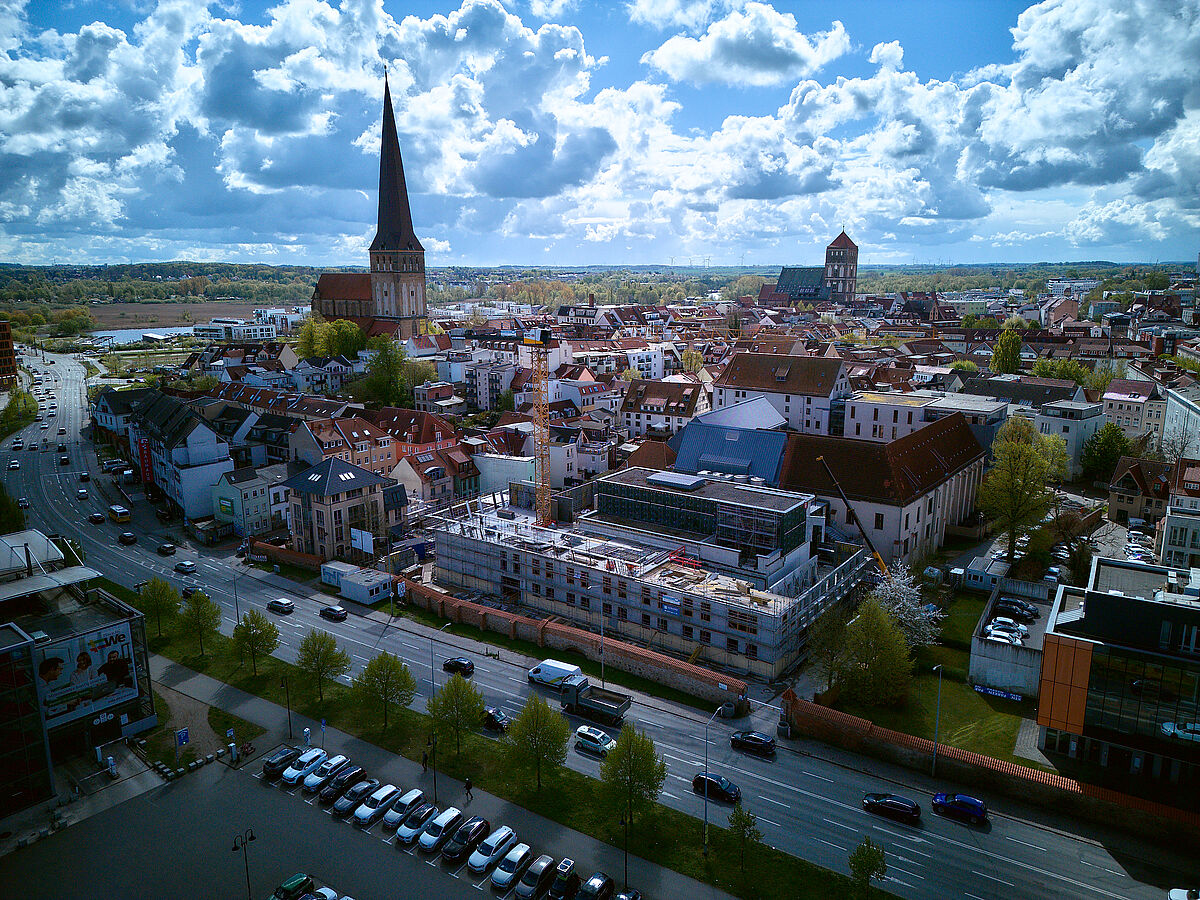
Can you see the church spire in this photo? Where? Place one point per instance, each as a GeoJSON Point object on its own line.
{"type": "Point", "coordinates": [395, 228]}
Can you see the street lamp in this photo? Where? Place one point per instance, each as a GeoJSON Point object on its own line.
{"type": "Point", "coordinates": [241, 842]}
{"type": "Point", "coordinates": [625, 825]}
{"type": "Point", "coordinates": [288, 696]}
{"type": "Point", "coordinates": [706, 724]}
{"type": "Point", "coordinates": [937, 720]}
{"type": "Point", "coordinates": [432, 684]}
{"type": "Point", "coordinates": [237, 612]}
{"type": "Point", "coordinates": [432, 744]}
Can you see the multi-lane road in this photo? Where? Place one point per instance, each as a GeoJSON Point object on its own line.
{"type": "Point", "coordinates": [808, 799]}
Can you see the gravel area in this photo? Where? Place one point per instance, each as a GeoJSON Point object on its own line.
{"type": "Point", "coordinates": [189, 712]}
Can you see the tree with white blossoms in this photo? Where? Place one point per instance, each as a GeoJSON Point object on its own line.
{"type": "Point", "coordinates": [900, 595]}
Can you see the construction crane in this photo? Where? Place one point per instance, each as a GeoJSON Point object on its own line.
{"type": "Point", "coordinates": [538, 342]}
{"type": "Point", "coordinates": [850, 509]}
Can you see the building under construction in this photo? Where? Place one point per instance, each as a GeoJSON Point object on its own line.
{"type": "Point", "coordinates": [719, 572]}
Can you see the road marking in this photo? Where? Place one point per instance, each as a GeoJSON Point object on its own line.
{"type": "Point", "coordinates": [770, 800]}
{"type": "Point", "coordinates": [840, 825]}
{"type": "Point", "coordinates": [669, 794]}
{"type": "Point", "coordinates": [768, 821]}
{"type": "Point", "coordinates": [1023, 843]}
{"type": "Point", "coordinates": [899, 881]}
{"type": "Point", "coordinates": [832, 844]}
{"type": "Point", "coordinates": [1102, 868]}
{"type": "Point", "coordinates": [822, 777]}
{"type": "Point", "coordinates": [992, 877]}
{"type": "Point", "coordinates": [909, 874]}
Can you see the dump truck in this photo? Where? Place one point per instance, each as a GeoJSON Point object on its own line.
{"type": "Point", "coordinates": [581, 697]}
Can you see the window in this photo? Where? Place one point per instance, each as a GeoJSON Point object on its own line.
{"type": "Point", "coordinates": [662, 624]}
{"type": "Point", "coordinates": [585, 603]}
{"type": "Point", "coordinates": [731, 644]}
{"type": "Point", "coordinates": [705, 636]}
{"type": "Point", "coordinates": [570, 598]}
{"type": "Point", "coordinates": [687, 632]}
{"type": "Point", "coordinates": [751, 651]}
{"type": "Point", "coordinates": [622, 614]}
{"type": "Point", "coordinates": [705, 611]}
{"type": "Point", "coordinates": [646, 619]}
{"type": "Point", "coordinates": [607, 608]}
{"type": "Point", "coordinates": [742, 620]}
{"type": "Point", "coordinates": [879, 521]}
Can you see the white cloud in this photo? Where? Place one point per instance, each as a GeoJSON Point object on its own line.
{"type": "Point", "coordinates": [691, 14]}
{"type": "Point", "coordinates": [551, 9]}
{"type": "Point", "coordinates": [754, 46]}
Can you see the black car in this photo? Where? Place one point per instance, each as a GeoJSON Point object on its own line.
{"type": "Point", "coordinates": [1017, 613]}
{"type": "Point", "coordinates": [566, 881]}
{"type": "Point", "coordinates": [188, 591]}
{"type": "Point", "coordinates": [353, 798]}
{"type": "Point", "coordinates": [85, 476]}
{"type": "Point", "coordinates": [718, 787]}
{"type": "Point", "coordinates": [333, 613]}
{"type": "Point", "coordinates": [127, 538]}
{"type": "Point", "coordinates": [339, 783]}
{"type": "Point", "coordinates": [459, 664]}
{"type": "Point", "coordinates": [64, 460]}
{"type": "Point", "coordinates": [496, 719]}
{"type": "Point", "coordinates": [62, 448]}
{"type": "Point", "coordinates": [23, 503]}
{"type": "Point", "coordinates": [274, 764]}
{"type": "Point", "coordinates": [599, 887]}
{"type": "Point", "coordinates": [466, 839]}
{"type": "Point", "coordinates": [893, 806]}
{"type": "Point", "coordinates": [167, 549]}
{"type": "Point", "coordinates": [753, 742]}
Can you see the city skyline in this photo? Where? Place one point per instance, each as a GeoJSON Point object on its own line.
{"type": "Point", "coordinates": [561, 133]}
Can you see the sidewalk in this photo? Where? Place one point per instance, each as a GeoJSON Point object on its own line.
{"type": "Point", "coordinates": [560, 841]}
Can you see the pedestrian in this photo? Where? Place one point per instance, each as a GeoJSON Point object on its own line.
{"type": "Point", "coordinates": [425, 761]}
{"type": "Point", "coordinates": [467, 789]}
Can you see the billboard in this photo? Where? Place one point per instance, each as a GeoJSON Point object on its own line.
{"type": "Point", "coordinates": [362, 540]}
{"type": "Point", "coordinates": [225, 506]}
{"type": "Point", "coordinates": [86, 673]}
{"type": "Point", "coordinates": [145, 463]}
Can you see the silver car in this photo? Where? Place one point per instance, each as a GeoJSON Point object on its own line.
{"type": "Point", "coordinates": [398, 811]}
{"type": "Point", "coordinates": [492, 849]}
{"type": "Point", "coordinates": [303, 766]}
{"type": "Point", "coordinates": [438, 831]}
{"type": "Point", "coordinates": [372, 809]}
{"type": "Point", "coordinates": [318, 777]}
{"type": "Point", "coordinates": [512, 867]}
{"type": "Point", "coordinates": [1182, 731]}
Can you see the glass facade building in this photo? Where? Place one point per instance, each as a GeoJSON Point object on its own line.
{"type": "Point", "coordinates": [25, 777]}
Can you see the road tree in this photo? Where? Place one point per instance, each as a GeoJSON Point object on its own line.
{"type": "Point", "coordinates": [900, 595]}
{"type": "Point", "coordinates": [159, 598]}
{"type": "Point", "coordinates": [878, 666]}
{"type": "Point", "coordinates": [743, 825]}
{"type": "Point", "coordinates": [1006, 357]}
{"type": "Point", "coordinates": [827, 644]}
{"type": "Point", "coordinates": [456, 709]}
{"type": "Point", "coordinates": [1176, 444]}
{"type": "Point", "coordinates": [537, 738]}
{"type": "Point", "coordinates": [1016, 493]}
{"type": "Point", "coordinates": [200, 616]}
{"type": "Point", "coordinates": [867, 863]}
{"type": "Point", "coordinates": [322, 659]}
{"type": "Point", "coordinates": [633, 774]}
{"type": "Point", "coordinates": [256, 636]}
{"type": "Point", "coordinates": [386, 680]}
{"type": "Point", "coordinates": [1101, 452]}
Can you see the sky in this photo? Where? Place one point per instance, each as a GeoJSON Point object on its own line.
{"type": "Point", "coordinates": [628, 132]}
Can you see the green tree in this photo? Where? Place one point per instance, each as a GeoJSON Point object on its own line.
{"type": "Point", "coordinates": [386, 680]}
{"type": "Point", "coordinates": [306, 339]}
{"type": "Point", "coordinates": [391, 375]}
{"type": "Point", "coordinates": [200, 616]}
{"type": "Point", "coordinates": [1006, 358]}
{"type": "Point", "coordinates": [633, 774]}
{"type": "Point", "coordinates": [346, 338]}
{"type": "Point", "coordinates": [827, 644]}
{"type": "Point", "coordinates": [1016, 492]}
{"type": "Point", "coordinates": [743, 286]}
{"type": "Point", "coordinates": [629, 375]}
{"type": "Point", "coordinates": [1015, 321]}
{"type": "Point", "coordinates": [1101, 452]}
{"type": "Point", "coordinates": [12, 517]}
{"type": "Point", "coordinates": [743, 825]}
{"type": "Point", "coordinates": [537, 738]}
{"type": "Point", "coordinates": [878, 667]}
{"type": "Point", "coordinates": [506, 402]}
{"type": "Point", "coordinates": [456, 709]}
{"type": "Point", "coordinates": [255, 635]}
{"type": "Point", "coordinates": [321, 659]}
{"type": "Point", "coordinates": [965, 365]}
{"type": "Point", "coordinates": [159, 598]}
{"type": "Point", "coordinates": [867, 863]}
{"type": "Point", "coordinates": [1067, 369]}
{"type": "Point", "coordinates": [693, 360]}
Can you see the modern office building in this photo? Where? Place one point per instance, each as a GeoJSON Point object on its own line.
{"type": "Point", "coordinates": [8, 356]}
{"type": "Point", "coordinates": [1120, 682]}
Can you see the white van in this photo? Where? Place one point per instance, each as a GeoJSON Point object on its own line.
{"type": "Point", "coordinates": [553, 673]}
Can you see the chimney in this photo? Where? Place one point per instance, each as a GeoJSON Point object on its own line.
{"type": "Point", "coordinates": [591, 300]}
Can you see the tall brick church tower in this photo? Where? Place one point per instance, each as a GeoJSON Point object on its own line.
{"type": "Point", "coordinates": [841, 268]}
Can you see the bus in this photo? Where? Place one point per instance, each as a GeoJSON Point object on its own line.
{"type": "Point", "coordinates": [118, 513]}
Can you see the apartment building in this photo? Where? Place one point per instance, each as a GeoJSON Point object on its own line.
{"type": "Point", "coordinates": [1073, 421]}
{"type": "Point", "coordinates": [1179, 533]}
{"type": "Point", "coordinates": [1139, 407]}
{"type": "Point", "coordinates": [351, 439]}
{"type": "Point", "coordinates": [336, 510]}
{"type": "Point", "coordinates": [658, 409]}
{"type": "Point", "coordinates": [805, 390]}
{"type": "Point", "coordinates": [242, 502]}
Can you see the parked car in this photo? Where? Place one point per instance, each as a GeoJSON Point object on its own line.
{"type": "Point", "coordinates": [185, 567]}
{"type": "Point", "coordinates": [459, 664]}
{"type": "Point", "coordinates": [491, 849]}
{"type": "Point", "coordinates": [96, 518]}
{"type": "Point", "coordinates": [346, 778]}
{"type": "Point", "coordinates": [167, 549]}
{"type": "Point", "coordinates": [414, 823]}
{"type": "Point", "coordinates": [281, 605]}
{"type": "Point", "coordinates": [496, 719]}
{"type": "Point", "coordinates": [893, 806]}
{"type": "Point", "coordinates": [599, 887]}
{"type": "Point", "coordinates": [1011, 625]}
{"type": "Point", "coordinates": [373, 807]}
{"type": "Point", "coordinates": [127, 538]}
{"type": "Point", "coordinates": [593, 740]}
{"type": "Point", "coordinates": [510, 869]}
{"type": "Point", "coordinates": [294, 888]}
{"type": "Point", "coordinates": [353, 797]}
{"type": "Point", "coordinates": [304, 766]}
{"type": "Point", "coordinates": [536, 878]}
{"type": "Point", "coordinates": [996, 631]}
{"type": "Point", "coordinates": [23, 503]}
{"type": "Point", "coordinates": [960, 806]}
{"type": "Point", "coordinates": [1008, 610]}
{"type": "Point", "coordinates": [1182, 731]}
{"type": "Point", "coordinates": [320, 776]}
{"type": "Point", "coordinates": [1029, 608]}
{"type": "Point", "coordinates": [718, 787]}
{"type": "Point", "coordinates": [753, 742]}
{"type": "Point", "coordinates": [566, 881]}
{"type": "Point", "coordinates": [465, 839]}
{"type": "Point", "coordinates": [440, 830]}
{"type": "Point", "coordinates": [403, 805]}
{"type": "Point", "coordinates": [275, 764]}
{"type": "Point", "coordinates": [333, 613]}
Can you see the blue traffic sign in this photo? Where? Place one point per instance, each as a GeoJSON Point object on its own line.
{"type": "Point", "coordinates": [181, 737]}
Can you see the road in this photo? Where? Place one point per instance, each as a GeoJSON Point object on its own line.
{"type": "Point", "coordinates": [808, 803]}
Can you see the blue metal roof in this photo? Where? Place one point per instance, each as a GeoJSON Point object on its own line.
{"type": "Point", "coordinates": [738, 451]}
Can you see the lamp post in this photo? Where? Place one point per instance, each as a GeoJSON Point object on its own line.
{"type": "Point", "coordinates": [432, 684]}
{"type": "Point", "coordinates": [288, 696]}
{"type": "Point", "coordinates": [432, 744]}
{"type": "Point", "coordinates": [706, 724]}
{"type": "Point", "coordinates": [241, 842]}
{"type": "Point", "coordinates": [937, 720]}
{"type": "Point", "coordinates": [625, 825]}
{"type": "Point", "coordinates": [237, 611]}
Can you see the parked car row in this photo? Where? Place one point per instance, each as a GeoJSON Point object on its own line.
{"type": "Point", "coordinates": [902, 809]}
{"type": "Point", "coordinates": [446, 833]}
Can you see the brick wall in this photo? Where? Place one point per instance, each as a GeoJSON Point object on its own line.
{"type": "Point", "coordinates": [674, 673]}
{"type": "Point", "coordinates": [286, 555]}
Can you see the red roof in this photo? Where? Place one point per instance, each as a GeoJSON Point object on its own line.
{"type": "Point", "coordinates": [843, 241]}
{"type": "Point", "coordinates": [344, 286]}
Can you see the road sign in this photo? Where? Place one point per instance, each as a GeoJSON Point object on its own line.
{"type": "Point", "coordinates": [322, 724]}
{"type": "Point", "coordinates": [229, 734]}
{"type": "Point", "coordinates": [181, 737]}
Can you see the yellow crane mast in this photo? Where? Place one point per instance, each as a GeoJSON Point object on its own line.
{"type": "Point", "coordinates": [538, 343]}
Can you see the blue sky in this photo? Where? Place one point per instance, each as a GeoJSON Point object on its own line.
{"type": "Point", "coordinates": [563, 132]}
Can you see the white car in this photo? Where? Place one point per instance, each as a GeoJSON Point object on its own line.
{"type": "Point", "coordinates": [399, 810]}
{"type": "Point", "coordinates": [1011, 625]}
{"type": "Point", "coordinates": [414, 823]}
{"type": "Point", "coordinates": [372, 809]}
{"type": "Point", "coordinates": [512, 867]}
{"type": "Point", "coordinates": [1001, 631]}
{"type": "Point", "coordinates": [304, 765]}
{"type": "Point", "coordinates": [439, 829]}
{"type": "Point", "coordinates": [998, 637]}
{"type": "Point", "coordinates": [317, 778]}
{"type": "Point", "coordinates": [492, 849]}
{"type": "Point", "coordinates": [593, 740]}
{"type": "Point", "coordinates": [1182, 731]}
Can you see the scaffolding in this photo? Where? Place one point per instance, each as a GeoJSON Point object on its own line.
{"type": "Point", "coordinates": [541, 424]}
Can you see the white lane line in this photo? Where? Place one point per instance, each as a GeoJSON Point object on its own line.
{"type": "Point", "coordinates": [1102, 868]}
{"type": "Point", "coordinates": [909, 874]}
{"type": "Point", "coordinates": [768, 821]}
{"type": "Point", "coordinates": [814, 775]}
{"type": "Point", "coordinates": [840, 825]}
{"type": "Point", "coordinates": [1024, 844]}
{"type": "Point", "coordinates": [900, 881]}
{"type": "Point", "coordinates": [991, 877]}
{"type": "Point", "coordinates": [832, 844]}
{"type": "Point", "coordinates": [669, 794]}
{"type": "Point", "coordinates": [771, 800]}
